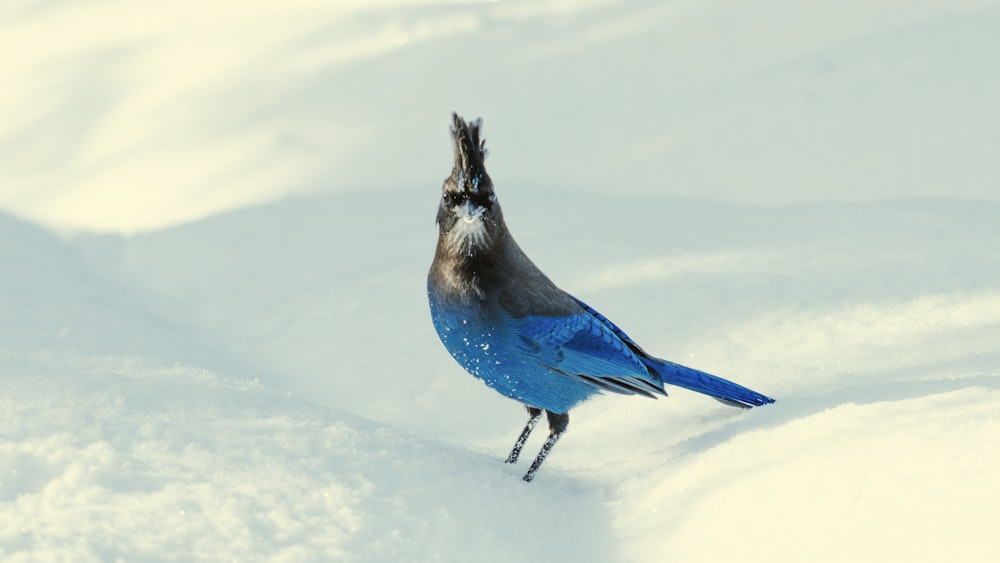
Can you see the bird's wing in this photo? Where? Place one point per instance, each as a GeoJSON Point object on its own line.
{"type": "Point", "coordinates": [723, 390]}
{"type": "Point", "coordinates": [612, 327]}
{"type": "Point", "coordinates": [583, 346]}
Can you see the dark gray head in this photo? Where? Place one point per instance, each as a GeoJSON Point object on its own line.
{"type": "Point", "coordinates": [469, 216]}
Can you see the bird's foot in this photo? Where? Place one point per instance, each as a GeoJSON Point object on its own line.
{"type": "Point", "coordinates": [558, 422]}
{"type": "Point", "coordinates": [535, 415]}
{"type": "Point", "coordinates": [546, 448]}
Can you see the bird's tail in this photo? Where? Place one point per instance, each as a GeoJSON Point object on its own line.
{"type": "Point", "coordinates": [726, 391]}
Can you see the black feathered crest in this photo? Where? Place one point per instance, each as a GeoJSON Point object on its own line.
{"type": "Point", "coordinates": [470, 153]}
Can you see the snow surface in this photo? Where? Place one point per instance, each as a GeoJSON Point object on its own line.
{"type": "Point", "coordinates": [330, 424]}
{"type": "Point", "coordinates": [265, 384]}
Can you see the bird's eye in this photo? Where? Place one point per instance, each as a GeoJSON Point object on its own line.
{"type": "Point", "coordinates": [493, 198]}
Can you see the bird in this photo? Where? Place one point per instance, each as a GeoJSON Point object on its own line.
{"type": "Point", "coordinates": [509, 325]}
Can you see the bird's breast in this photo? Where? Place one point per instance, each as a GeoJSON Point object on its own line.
{"type": "Point", "coordinates": [471, 332]}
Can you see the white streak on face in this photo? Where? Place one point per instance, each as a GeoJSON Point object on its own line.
{"type": "Point", "coordinates": [469, 231]}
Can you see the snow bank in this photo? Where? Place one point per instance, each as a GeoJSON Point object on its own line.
{"type": "Point", "coordinates": [107, 456]}
{"type": "Point", "coordinates": [265, 384]}
{"type": "Point", "coordinates": [880, 349]}
{"type": "Point", "coordinates": [113, 458]}
{"type": "Point", "coordinates": [333, 426]}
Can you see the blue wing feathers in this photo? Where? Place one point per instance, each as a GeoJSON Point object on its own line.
{"type": "Point", "coordinates": [682, 376]}
{"type": "Point", "coordinates": [580, 345]}
{"type": "Point", "coordinates": [610, 325]}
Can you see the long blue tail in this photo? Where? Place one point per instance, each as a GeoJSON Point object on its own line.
{"type": "Point", "coordinates": [724, 390]}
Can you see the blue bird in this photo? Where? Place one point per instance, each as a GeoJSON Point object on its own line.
{"type": "Point", "coordinates": [507, 324]}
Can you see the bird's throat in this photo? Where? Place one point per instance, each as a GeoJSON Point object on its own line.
{"type": "Point", "coordinates": [468, 236]}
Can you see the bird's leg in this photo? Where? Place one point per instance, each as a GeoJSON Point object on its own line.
{"type": "Point", "coordinates": [535, 414]}
{"type": "Point", "coordinates": [557, 425]}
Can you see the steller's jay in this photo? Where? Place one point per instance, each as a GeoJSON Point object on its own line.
{"type": "Point", "coordinates": [506, 323]}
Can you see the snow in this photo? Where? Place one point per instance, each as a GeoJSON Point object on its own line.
{"type": "Point", "coordinates": [798, 197]}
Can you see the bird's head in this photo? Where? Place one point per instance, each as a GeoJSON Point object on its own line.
{"type": "Point", "coordinates": [469, 216]}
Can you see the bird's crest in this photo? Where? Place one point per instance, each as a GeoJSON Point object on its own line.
{"type": "Point", "coordinates": [470, 152]}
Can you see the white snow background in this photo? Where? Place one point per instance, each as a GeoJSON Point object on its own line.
{"type": "Point", "coordinates": [217, 219]}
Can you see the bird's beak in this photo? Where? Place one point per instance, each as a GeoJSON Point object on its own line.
{"type": "Point", "coordinates": [469, 211]}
